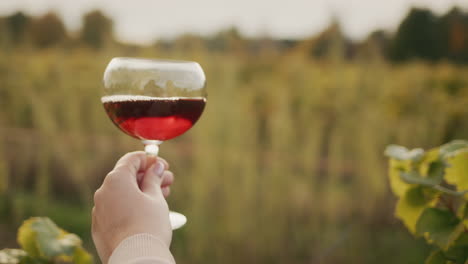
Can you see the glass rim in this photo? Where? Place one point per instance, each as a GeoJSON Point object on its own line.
{"type": "Point", "coordinates": [154, 60]}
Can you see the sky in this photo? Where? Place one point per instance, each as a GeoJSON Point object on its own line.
{"type": "Point", "coordinates": [144, 21]}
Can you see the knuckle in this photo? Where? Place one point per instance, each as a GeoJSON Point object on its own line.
{"type": "Point", "coordinates": [123, 170]}
{"type": "Point", "coordinates": [97, 196]}
{"type": "Point", "coordinates": [112, 178]}
{"type": "Point", "coordinates": [110, 175]}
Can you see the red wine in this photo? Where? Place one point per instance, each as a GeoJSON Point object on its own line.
{"type": "Point", "coordinates": [153, 118]}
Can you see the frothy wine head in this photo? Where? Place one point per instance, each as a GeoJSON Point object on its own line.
{"type": "Point", "coordinates": [126, 98]}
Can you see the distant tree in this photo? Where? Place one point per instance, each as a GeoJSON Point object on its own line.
{"type": "Point", "coordinates": [4, 32]}
{"type": "Point", "coordinates": [97, 29]}
{"type": "Point", "coordinates": [375, 46]}
{"type": "Point", "coordinates": [47, 30]}
{"type": "Point", "coordinates": [454, 32]}
{"type": "Point", "coordinates": [330, 44]}
{"type": "Point", "coordinates": [226, 40]}
{"type": "Point", "coordinates": [17, 25]}
{"type": "Point", "coordinates": [417, 37]}
{"type": "Point", "coordinates": [188, 42]}
{"type": "Point", "coordinates": [380, 39]}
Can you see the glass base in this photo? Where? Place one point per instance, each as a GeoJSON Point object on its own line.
{"type": "Point", "coordinates": [177, 220]}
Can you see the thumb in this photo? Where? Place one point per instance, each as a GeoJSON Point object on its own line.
{"type": "Point", "coordinates": [152, 180]}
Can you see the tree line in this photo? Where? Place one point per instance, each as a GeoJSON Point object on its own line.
{"type": "Point", "coordinates": [49, 31]}
{"type": "Point", "coordinates": [421, 35]}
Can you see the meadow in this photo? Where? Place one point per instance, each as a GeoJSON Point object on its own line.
{"type": "Point", "coordinates": [286, 164]}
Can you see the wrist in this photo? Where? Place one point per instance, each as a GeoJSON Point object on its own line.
{"type": "Point", "coordinates": [140, 246]}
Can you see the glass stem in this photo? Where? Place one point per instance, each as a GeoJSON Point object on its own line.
{"type": "Point", "coordinates": [152, 147]}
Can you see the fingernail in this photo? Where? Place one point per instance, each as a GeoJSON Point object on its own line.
{"type": "Point", "coordinates": [159, 168]}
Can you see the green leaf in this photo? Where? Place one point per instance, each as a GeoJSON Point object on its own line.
{"type": "Point", "coordinates": [457, 172]}
{"type": "Point", "coordinates": [27, 238]}
{"type": "Point", "coordinates": [426, 161]}
{"type": "Point", "coordinates": [462, 211]}
{"type": "Point", "coordinates": [63, 245]}
{"type": "Point", "coordinates": [450, 148]}
{"type": "Point", "coordinates": [414, 178]}
{"type": "Point", "coordinates": [402, 153]}
{"type": "Point", "coordinates": [46, 240]}
{"type": "Point", "coordinates": [458, 252]}
{"type": "Point", "coordinates": [80, 256]}
{"type": "Point", "coordinates": [410, 207]}
{"type": "Point", "coordinates": [436, 171]}
{"type": "Point", "coordinates": [398, 186]}
{"type": "Point", "coordinates": [440, 227]}
{"type": "Point", "coordinates": [12, 256]}
{"type": "Point", "coordinates": [52, 241]}
{"type": "Point", "coordinates": [436, 257]}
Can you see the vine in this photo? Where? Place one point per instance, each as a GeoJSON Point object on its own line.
{"type": "Point", "coordinates": [432, 191]}
{"type": "Point", "coordinates": [43, 242]}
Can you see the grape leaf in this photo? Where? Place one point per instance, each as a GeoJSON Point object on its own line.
{"type": "Point", "coordinates": [402, 153]}
{"type": "Point", "coordinates": [457, 172]}
{"type": "Point", "coordinates": [462, 211]}
{"type": "Point", "coordinates": [63, 245]}
{"type": "Point", "coordinates": [43, 239]}
{"type": "Point", "coordinates": [436, 257]}
{"type": "Point", "coordinates": [398, 186]}
{"type": "Point", "coordinates": [427, 161]}
{"type": "Point", "coordinates": [27, 238]}
{"type": "Point", "coordinates": [430, 173]}
{"type": "Point", "coordinates": [12, 256]}
{"type": "Point", "coordinates": [459, 251]}
{"type": "Point", "coordinates": [410, 207]}
{"type": "Point", "coordinates": [450, 148]}
{"type": "Point", "coordinates": [436, 171]}
{"type": "Point", "coordinates": [414, 178]}
{"type": "Point", "coordinates": [439, 226]}
{"type": "Point", "coordinates": [80, 256]}
{"type": "Point", "coordinates": [53, 241]}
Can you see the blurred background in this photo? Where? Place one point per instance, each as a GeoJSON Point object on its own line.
{"type": "Point", "coordinates": [286, 163]}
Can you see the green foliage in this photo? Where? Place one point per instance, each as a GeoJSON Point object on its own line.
{"type": "Point", "coordinates": [457, 172]}
{"type": "Point", "coordinates": [434, 201]}
{"type": "Point", "coordinates": [416, 37]}
{"type": "Point", "coordinates": [42, 241]}
{"type": "Point", "coordinates": [17, 25]}
{"type": "Point", "coordinates": [97, 29]}
{"type": "Point", "coordinates": [47, 31]}
{"type": "Point", "coordinates": [439, 226]}
{"type": "Point", "coordinates": [412, 204]}
{"type": "Point", "coordinates": [436, 257]}
{"type": "Point", "coordinates": [424, 35]}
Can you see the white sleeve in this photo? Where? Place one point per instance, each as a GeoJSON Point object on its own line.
{"type": "Point", "coordinates": [141, 249]}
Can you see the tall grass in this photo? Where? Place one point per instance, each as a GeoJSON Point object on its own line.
{"type": "Point", "coordinates": [285, 165]}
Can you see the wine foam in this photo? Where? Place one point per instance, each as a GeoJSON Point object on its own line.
{"type": "Point", "coordinates": [126, 98]}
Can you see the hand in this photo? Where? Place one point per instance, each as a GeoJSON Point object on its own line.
{"type": "Point", "coordinates": [131, 201]}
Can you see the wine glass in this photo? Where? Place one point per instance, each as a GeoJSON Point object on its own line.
{"type": "Point", "coordinates": [154, 101]}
